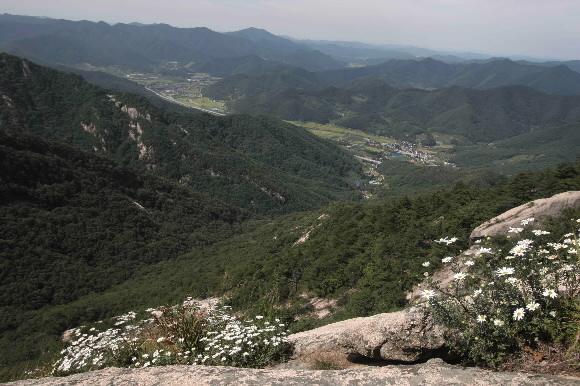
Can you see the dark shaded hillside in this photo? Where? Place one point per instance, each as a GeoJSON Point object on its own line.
{"type": "Point", "coordinates": [286, 169]}
{"type": "Point", "coordinates": [73, 224]}
{"type": "Point", "coordinates": [371, 105]}
{"type": "Point", "coordinates": [243, 85]}
{"type": "Point", "coordinates": [111, 82]}
{"type": "Point", "coordinates": [143, 47]}
{"type": "Point", "coordinates": [249, 65]}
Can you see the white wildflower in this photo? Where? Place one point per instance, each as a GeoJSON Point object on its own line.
{"type": "Point", "coordinates": [539, 232]}
{"type": "Point", "coordinates": [481, 318]}
{"type": "Point", "coordinates": [512, 280]}
{"type": "Point", "coordinates": [519, 314]}
{"type": "Point", "coordinates": [504, 271]}
{"type": "Point", "coordinates": [532, 306]}
{"type": "Point", "coordinates": [550, 293]}
{"type": "Point", "coordinates": [521, 247]}
{"type": "Point", "coordinates": [527, 221]}
{"type": "Point", "coordinates": [428, 294]}
{"type": "Point", "coordinates": [447, 240]}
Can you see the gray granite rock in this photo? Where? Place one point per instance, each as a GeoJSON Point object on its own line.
{"type": "Point", "coordinates": [434, 372]}
{"type": "Point", "coordinates": [538, 209]}
{"type": "Point", "coordinates": [406, 336]}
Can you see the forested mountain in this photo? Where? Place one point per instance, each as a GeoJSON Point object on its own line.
{"type": "Point", "coordinates": [288, 51]}
{"type": "Point", "coordinates": [421, 74]}
{"type": "Point", "coordinates": [248, 65]}
{"type": "Point", "coordinates": [261, 164]}
{"type": "Point", "coordinates": [145, 47]}
{"type": "Point", "coordinates": [74, 223]}
{"type": "Point", "coordinates": [372, 105]}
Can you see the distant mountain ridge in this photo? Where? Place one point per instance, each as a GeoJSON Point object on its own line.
{"type": "Point", "coordinates": [431, 74]}
{"type": "Point", "coordinates": [256, 51]}
{"type": "Point", "coordinates": [71, 43]}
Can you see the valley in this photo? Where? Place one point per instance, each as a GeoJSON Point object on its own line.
{"type": "Point", "coordinates": [185, 91]}
{"type": "Point", "coordinates": [294, 183]}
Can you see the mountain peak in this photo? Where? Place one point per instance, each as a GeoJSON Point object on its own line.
{"type": "Point", "coordinates": [257, 34]}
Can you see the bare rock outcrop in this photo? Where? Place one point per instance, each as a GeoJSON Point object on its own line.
{"type": "Point", "coordinates": [434, 372]}
{"type": "Point", "coordinates": [538, 209]}
{"type": "Point", "coordinates": [405, 336]}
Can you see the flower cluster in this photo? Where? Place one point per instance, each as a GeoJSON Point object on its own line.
{"type": "Point", "coordinates": [496, 302]}
{"type": "Point", "coordinates": [92, 348]}
{"type": "Point", "coordinates": [183, 334]}
{"type": "Point", "coordinates": [244, 343]}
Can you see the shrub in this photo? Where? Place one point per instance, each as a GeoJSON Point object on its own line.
{"type": "Point", "coordinates": [183, 334]}
{"type": "Point", "coordinates": [503, 299]}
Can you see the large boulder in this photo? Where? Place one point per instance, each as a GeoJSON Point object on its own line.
{"type": "Point", "coordinates": [434, 372]}
{"type": "Point", "coordinates": [403, 336]}
{"type": "Point", "coordinates": [538, 209]}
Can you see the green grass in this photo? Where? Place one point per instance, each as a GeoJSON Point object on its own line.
{"type": "Point", "coordinates": [201, 102]}
{"type": "Point", "coordinates": [332, 131]}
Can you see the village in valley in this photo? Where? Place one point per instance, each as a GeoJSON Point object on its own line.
{"type": "Point", "coordinates": [186, 90]}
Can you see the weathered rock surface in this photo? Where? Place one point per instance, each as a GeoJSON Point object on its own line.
{"type": "Point", "coordinates": [538, 209]}
{"type": "Point", "coordinates": [434, 372]}
{"type": "Point", "coordinates": [406, 336]}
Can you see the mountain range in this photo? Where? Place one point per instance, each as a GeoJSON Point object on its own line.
{"type": "Point", "coordinates": [145, 47]}
{"type": "Point", "coordinates": [374, 106]}
{"type": "Point", "coordinates": [112, 198]}
{"type": "Point", "coordinates": [260, 164]}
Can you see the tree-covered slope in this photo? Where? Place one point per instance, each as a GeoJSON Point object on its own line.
{"type": "Point", "coordinates": [371, 105]}
{"type": "Point", "coordinates": [366, 256]}
{"type": "Point", "coordinates": [260, 163]}
{"type": "Point", "coordinates": [73, 223]}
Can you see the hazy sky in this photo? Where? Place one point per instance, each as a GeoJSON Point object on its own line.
{"type": "Point", "coordinates": [541, 28]}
